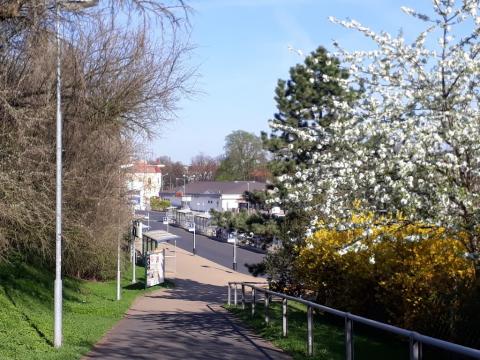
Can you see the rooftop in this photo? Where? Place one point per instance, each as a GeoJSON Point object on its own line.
{"type": "Point", "coordinates": [141, 167]}
{"type": "Point", "coordinates": [219, 187]}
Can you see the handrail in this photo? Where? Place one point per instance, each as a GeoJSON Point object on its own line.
{"type": "Point", "coordinates": [416, 339]}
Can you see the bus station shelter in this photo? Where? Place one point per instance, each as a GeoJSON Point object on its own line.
{"type": "Point", "coordinates": [152, 240]}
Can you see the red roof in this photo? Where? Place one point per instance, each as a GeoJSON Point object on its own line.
{"type": "Point", "coordinates": [144, 168]}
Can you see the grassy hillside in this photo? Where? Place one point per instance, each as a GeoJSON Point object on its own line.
{"type": "Point", "coordinates": [328, 335]}
{"type": "Point", "coordinates": [26, 312]}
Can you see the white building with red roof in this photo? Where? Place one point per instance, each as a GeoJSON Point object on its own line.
{"type": "Point", "coordinates": [145, 181]}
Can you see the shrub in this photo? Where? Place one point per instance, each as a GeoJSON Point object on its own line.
{"type": "Point", "coordinates": [158, 204]}
{"type": "Point", "coordinates": [410, 275]}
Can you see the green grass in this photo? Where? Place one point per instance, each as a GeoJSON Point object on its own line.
{"type": "Point", "coordinates": [26, 312]}
{"type": "Point", "coordinates": [328, 336]}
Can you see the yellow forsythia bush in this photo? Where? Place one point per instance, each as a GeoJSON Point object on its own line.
{"type": "Point", "coordinates": [408, 275]}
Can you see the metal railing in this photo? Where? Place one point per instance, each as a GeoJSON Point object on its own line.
{"type": "Point", "coordinates": [416, 340]}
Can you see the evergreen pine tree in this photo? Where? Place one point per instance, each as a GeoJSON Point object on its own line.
{"type": "Point", "coordinates": [303, 101]}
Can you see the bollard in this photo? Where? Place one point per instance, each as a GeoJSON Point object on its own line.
{"type": "Point", "coordinates": [348, 338]}
{"type": "Point", "coordinates": [229, 295]}
{"type": "Point", "coordinates": [284, 317]}
{"type": "Point", "coordinates": [310, 331]}
{"type": "Point", "coordinates": [267, 319]}
{"type": "Point", "coordinates": [253, 302]}
{"type": "Point", "coordinates": [415, 348]}
{"type": "Point", "coordinates": [235, 294]}
{"type": "Point", "coordinates": [243, 297]}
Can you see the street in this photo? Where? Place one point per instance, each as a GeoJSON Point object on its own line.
{"type": "Point", "coordinates": [213, 250]}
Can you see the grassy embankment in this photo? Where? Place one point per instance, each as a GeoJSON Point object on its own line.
{"type": "Point", "coordinates": [328, 336]}
{"type": "Point", "coordinates": [26, 312]}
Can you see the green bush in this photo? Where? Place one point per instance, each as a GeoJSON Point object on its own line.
{"type": "Point", "coordinates": [158, 204]}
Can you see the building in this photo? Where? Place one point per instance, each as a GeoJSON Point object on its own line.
{"type": "Point", "coordinates": [144, 181]}
{"type": "Point", "coordinates": [192, 204]}
{"type": "Point", "coordinates": [207, 195]}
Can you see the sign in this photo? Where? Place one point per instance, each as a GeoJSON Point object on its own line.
{"type": "Point", "coordinates": [231, 238]}
{"type": "Point", "coordinates": [154, 266]}
{"type": "Point", "coordinates": [186, 198]}
{"type": "Point", "coordinates": [191, 227]}
{"type": "Point", "coordinates": [165, 221]}
{"type": "Point", "coordinates": [135, 199]}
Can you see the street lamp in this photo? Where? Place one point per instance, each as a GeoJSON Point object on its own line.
{"type": "Point", "coordinates": [191, 228]}
{"type": "Point", "coordinates": [57, 317]}
{"type": "Point", "coordinates": [232, 238]}
{"type": "Point", "coordinates": [248, 200]}
{"type": "Point", "coordinates": [126, 166]}
{"type": "Point", "coordinates": [162, 176]}
{"type": "Point", "coordinates": [183, 183]}
{"type": "Point", "coordinates": [183, 177]}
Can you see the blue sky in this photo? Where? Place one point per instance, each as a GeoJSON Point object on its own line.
{"type": "Point", "coordinates": [242, 50]}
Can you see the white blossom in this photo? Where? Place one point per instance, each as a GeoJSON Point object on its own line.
{"type": "Point", "coordinates": [410, 143]}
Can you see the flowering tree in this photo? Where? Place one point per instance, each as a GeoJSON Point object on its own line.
{"type": "Point", "coordinates": [411, 143]}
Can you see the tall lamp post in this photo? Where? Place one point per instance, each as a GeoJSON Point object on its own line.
{"type": "Point", "coordinates": [119, 274]}
{"type": "Point", "coordinates": [161, 185]}
{"type": "Point", "coordinates": [183, 194]}
{"type": "Point", "coordinates": [184, 182]}
{"type": "Point", "coordinates": [248, 200]}
{"type": "Point", "coordinates": [57, 317]}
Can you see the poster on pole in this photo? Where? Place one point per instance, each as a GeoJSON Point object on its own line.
{"type": "Point", "coordinates": [155, 273]}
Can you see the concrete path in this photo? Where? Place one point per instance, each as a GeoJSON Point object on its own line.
{"type": "Point", "coordinates": [186, 322]}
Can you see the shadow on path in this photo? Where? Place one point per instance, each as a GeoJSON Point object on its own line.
{"type": "Point", "coordinates": [190, 290]}
{"type": "Point", "coordinates": [186, 322]}
{"type": "Point", "coordinates": [206, 335]}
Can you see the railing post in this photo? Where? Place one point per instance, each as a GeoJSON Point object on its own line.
{"type": "Point", "coordinates": [284, 317]}
{"type": "Point", "coordinates": [309, 330]}
{"type": "Point", "coordinates": [235, 294]}
{"type": "Point", "coordinates": [229, 294]}
{"type": "Point", "coordinates": [349, 349]}
{"type": "Point", "coordinates": [253, 302]}
{"type": "Point", "coordinates": [243, 296]}
{"type": "Point", "coordinates": [267, 319]}
{"type": "Point", "coordinates": [415, 348]}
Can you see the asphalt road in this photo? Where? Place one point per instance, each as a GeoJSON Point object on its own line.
{"type": "Point", "coordinates": [213, 250]}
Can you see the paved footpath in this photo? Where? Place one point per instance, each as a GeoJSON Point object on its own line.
{"type": "Point", "coordinates": [186, 322]}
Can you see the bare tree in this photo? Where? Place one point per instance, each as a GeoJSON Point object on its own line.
{"type": "Point", "coordinates": [118, 81]}
{"type": "Point", "coordinates": [172, 171]}
{"type": "Point", "coordinates": [203, 167]}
